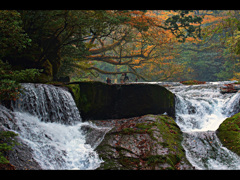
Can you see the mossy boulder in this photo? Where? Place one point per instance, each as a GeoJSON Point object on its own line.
{"type": "Point", "coordinates": [150, 142]}
{"type": "Point", "coordinates": [229, 133]}
{"type": "Point", "coordinates": [193, 82]}
{"type": "Point", "coordinates": [97, 100]}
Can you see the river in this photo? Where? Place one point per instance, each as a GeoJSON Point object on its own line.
{"type": "Point", "coordinates": [200, 109]}
{"type": "Point", "coordinates": [47, 120]}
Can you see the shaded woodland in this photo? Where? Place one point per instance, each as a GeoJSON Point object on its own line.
{"type": "Point", "coordinates": [150, 45]}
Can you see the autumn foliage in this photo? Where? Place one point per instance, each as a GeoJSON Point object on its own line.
{"type": "Point", "coordinates": [144, 44]}
{"type": "Point", "coordinates": [151, 45]}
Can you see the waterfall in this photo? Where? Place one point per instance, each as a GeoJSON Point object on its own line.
{"type": "Point", "coordinates": [49, 103]}
{"type": "Point", "coordinates": [205, 151]}
{"type": "Point", "coordinates": [48, 121]}
{"type": "Point", "coordinates": [200, 109]}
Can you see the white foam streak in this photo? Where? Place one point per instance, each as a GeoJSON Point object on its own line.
{"type": "Point", "coordinates": [200, 109]}
{"type": "Point", "coordinates": [47, 119]}
{"type": "Point", "coordinates": [57, 146]}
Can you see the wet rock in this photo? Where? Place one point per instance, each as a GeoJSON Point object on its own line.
{"type": "Point", "coordinates": [141, 143]}
{"type": "Point", "coordinates": [98, 101]}
{"type": "Point", "coordinates": [229, 133]}
{"type": "Point", "coordinates": [93, 134]}
{"type": "Point", "coordinates": [229, 88]}
{"type": "Point", "coordinates": [21, 157]}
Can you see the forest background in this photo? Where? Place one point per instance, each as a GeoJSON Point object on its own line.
{"type": "Point", "coordinates": [150, 45]}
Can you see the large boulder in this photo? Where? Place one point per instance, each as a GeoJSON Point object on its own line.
{"type": "Point", "coordinates": [97, 100]}
{"type": "Point", "coordinates": [150, 142]}
{"type": "Point", "coordinates": [229, 133]}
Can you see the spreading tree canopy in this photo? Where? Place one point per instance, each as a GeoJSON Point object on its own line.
{"type": "Point", "coordinates": [64, 42]}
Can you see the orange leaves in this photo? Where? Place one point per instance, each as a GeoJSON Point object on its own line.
{"type": "Point", "coordinates": [144, 44]}
{"type": "Point", "coordinates": [135, 18]}
{"type": "Point", "coordinates": [160, 15]}
{"type": "Point", "coordinates": [212, 18]}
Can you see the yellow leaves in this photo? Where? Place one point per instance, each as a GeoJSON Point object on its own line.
{"type": "Point", "coordinates": [211, 19]}
{"type": "Point", "coordinates": [234, 79]}
{"type": "Point", "coordinates": [191, 39]}
{"type": "Point", "coordinates": [151, 51]}
{"type": "Point", "coordinates": [189, 70]}
{"type": "Point", "coordinates": [236, 76]}
{"type": "Point", "coordinates": [160, 15]}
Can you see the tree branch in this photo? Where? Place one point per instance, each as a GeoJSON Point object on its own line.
{"type": "Point", "coordinates": [112, 73]}
{"type": "Point", "coordinates": [106, 72]}
{"type": "Point", "coordinates": [137, 74]}
{"type": "Point", "coordinates": [109, 59]}
{"type": "Point", "coordinates": [109, 47]}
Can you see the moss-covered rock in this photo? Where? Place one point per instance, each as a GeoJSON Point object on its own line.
{"type": "Point", "coordinates": [97, 100]}
{"type": "Point", "coordinates": [192, 82]}
{"type": "Point", "coordinates": [147, 142]}
{"type": "Point", "coordinates": [229, 133]}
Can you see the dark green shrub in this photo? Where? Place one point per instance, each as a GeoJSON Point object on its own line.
{"type": "Point", "coordinates": [10, 79]}
{"type": "Point", "coordinates": [7, 142]}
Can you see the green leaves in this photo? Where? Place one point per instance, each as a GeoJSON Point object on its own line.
{"type": "Point", "coordinates": [9, 80]}
{"type": "Point", "coordinates": [12, 36]}
{"type": "Point", "coordinates": [7, 142]}
{"type": "Point", "coordinates": [181, 26]}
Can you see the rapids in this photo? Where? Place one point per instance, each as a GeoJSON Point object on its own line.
{"type": "Point", "coordinates": [48, 121]}
{"type": "Point", "coordinates": [200, 109]}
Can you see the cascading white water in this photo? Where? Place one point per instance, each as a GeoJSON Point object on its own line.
{"type": "Point", "coordinates": [205, 151]}
{"type": "Point", "coordinates": [55, 145]}
{"type": "Point", "coordinates": [49, 103]}
{"type": "Point", "coordinates": [47, 120]}
{"type": "Point", "coordinates": [200, 109]}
